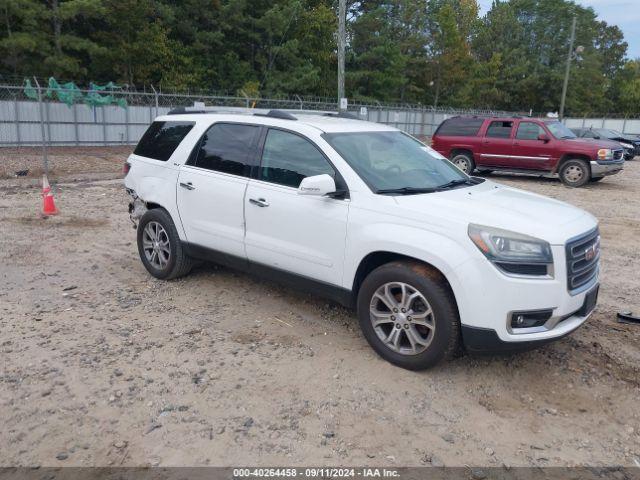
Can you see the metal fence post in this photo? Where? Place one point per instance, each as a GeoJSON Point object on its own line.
{"type": "Point", "coordinates": [45, 157]}
{"type": "Point", "coordinates": [17, 118]}
{"type": "Point", "coordinates": [624, 124]}
{"type": "Point", "coordinates": [75, 123]}
{"type": "Point", "coordinates": [104, 125]}
{"type": "Point", "coordinates": [155, 95]}
{"type": "Point", "coordinates": [433, 121]}
{"type": "Point", "coordinates": [126, 122]}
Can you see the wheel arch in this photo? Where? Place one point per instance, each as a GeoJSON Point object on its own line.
{"type": "Point", "coordinates": [572, 156]}
{"type": "Point", "coordinates": [378, 258]}
{"type": "Point", "coordinates": [153, 205]}
{"type": "Point", "coordinates": [461, 150]}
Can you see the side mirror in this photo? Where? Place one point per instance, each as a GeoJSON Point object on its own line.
{"type": "Point", "coordinates": [543, 137]}
{"type": "Point", "coordinates": [317, 185]}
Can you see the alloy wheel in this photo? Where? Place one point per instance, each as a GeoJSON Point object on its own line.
{"type": "Point", "coordinates": [402, 318]}
{"type": "Point", "coordinates": [156, 245]}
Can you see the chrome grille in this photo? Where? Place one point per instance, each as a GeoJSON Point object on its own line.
{"type": "Point", "coordinates": [583, 257]}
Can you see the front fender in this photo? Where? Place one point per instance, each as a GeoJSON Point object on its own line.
{"type": "Point", "coordinates": [434, 248]}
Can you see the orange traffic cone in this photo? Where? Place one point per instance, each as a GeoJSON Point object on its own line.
{"type": "Point", "coordinates": [48, 204]}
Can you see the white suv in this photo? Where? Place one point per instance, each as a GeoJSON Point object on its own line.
{"type": "Point", "coordinates": [431, 258]}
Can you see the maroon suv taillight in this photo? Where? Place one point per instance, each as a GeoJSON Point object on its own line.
{"type": "Point", "coordinates": [126, 167]}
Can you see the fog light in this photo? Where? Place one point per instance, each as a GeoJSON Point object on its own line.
{"type": "Point", "coordinates": [535, 318]}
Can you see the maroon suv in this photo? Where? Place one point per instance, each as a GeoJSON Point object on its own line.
{"type": "Point", "coordinates": [526, 145]}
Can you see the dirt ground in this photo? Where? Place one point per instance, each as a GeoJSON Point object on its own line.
{"type": "Point", "coordinates": [103, 365]}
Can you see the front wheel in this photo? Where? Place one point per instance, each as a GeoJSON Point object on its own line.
{"type": "Point", "coordinates": [159, 246]}
{"type": "Point", "coordinates": [408, 316]}
{"type": "Point", "coordinates": [575, 173]}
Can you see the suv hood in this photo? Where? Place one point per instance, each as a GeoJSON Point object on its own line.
{"type": "Point", "coordinates": [625, 139]}
{"type": "Point", "coordinates": [495, 205]}
{"type": "Point", "coordinates": [591, 143]}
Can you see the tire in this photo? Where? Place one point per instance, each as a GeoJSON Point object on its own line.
{"type": "Point", "coordinates": [464, 161]}
{"type": "Point", "coordinates": [170, 262]}
{"type": "Point", "coordinates": [438, 343]}
{"type": "Point", "coordinates": [595, 179]}
{"type": "Point", "coordinates": [575, 173]}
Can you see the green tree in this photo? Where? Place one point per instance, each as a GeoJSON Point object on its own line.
{"type": "Point", "coordinates": [22, 41]}
{"type": "Point", "coordinates": [629, 97]}
{"type": "Point", "coordinates": [137, 49]}
{"type": "Point", "coordinates": [451, 25]}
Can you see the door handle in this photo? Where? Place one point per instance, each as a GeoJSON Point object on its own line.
{"type": "Point", "coordinates": [188, 185]}
{"type": "Point", "coordinates": [260, 202]}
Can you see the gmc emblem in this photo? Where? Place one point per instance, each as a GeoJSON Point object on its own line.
{"type": "Point", "coordinates": [591, 252]}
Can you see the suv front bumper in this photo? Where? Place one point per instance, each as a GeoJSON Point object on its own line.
{"type": "Point", "coordinates": [601, 169]}
{"type": "Point", "coordinates": [486, 340]}
{"type": "Point", "coordinates": [488, 299]}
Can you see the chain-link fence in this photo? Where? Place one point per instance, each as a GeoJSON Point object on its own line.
{"type": "Point", "coordinates": [41, 118]}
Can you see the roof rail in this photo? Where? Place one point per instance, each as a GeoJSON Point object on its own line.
{"type": "Point", "coordinates": [273, 113]}
{"type": "Point", "coordinates": [192, 110]}
{"type": "Point", "coordinates": [341, 115]}
{"type": "Point", "coordinates": [282, 115]}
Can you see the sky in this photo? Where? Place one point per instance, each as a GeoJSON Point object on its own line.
{"type": "Point", "coordinates": [623, 13]}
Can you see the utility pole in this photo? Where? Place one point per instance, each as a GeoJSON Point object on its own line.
{"type": "Point", "coordinates": [342, 13]}
{"type": "Point", "coordinates": [566, 72]}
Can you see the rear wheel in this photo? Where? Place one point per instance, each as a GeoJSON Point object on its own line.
{"type": "Point", "coordinates": [575, 173]}
{"type": "Point", "coordinates": [408, 315]}
{"type": "Point", "coordinates": [159, 246]}
{"type": "Point", "coordinates": [464, 161]}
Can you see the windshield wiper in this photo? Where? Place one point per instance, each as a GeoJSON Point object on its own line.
{"type": "Point", "coordinates": [455, 183]}
{"type": "Point", "coordinates": [407, 190]}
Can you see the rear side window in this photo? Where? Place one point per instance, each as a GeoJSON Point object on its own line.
{"type": "Point", "coordinates": [288, 158]}
{"type": "Point", "coordinates": [459, 127]}
{"type": "Point", "coordinates": [227, 148]}
{"type": "Point", "coordinates": [161, 139]}
{"type": "Point", "coordinates": [499, 129]}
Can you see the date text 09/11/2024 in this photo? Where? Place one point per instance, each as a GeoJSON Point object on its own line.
{"type": "Point", "coordinates": [319, 472]}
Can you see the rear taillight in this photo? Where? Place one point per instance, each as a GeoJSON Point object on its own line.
{"type": "Point", "coordinates": [126, 168]}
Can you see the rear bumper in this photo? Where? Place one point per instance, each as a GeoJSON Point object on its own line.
{"type": "Point", "coordinates": [601, 169]}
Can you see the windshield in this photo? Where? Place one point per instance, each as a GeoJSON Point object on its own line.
{"type": "Point", "coordinates": [560, 130]}
{"type": "Point", "coordinates": [395, 161]}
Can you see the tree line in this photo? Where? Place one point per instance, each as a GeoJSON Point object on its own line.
{"type": "Point", "coordinates": [433, 52]}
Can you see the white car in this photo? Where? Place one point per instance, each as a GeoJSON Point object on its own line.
{"type": "Point", "coordinates": [431, 258]}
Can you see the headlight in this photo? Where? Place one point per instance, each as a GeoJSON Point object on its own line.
{"type": "Point", "coordinates": [626, 145]}
{"type": "Point", "coordinates": [605, 154]}
{"type": "Point", "coordinates": [513, 252]}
